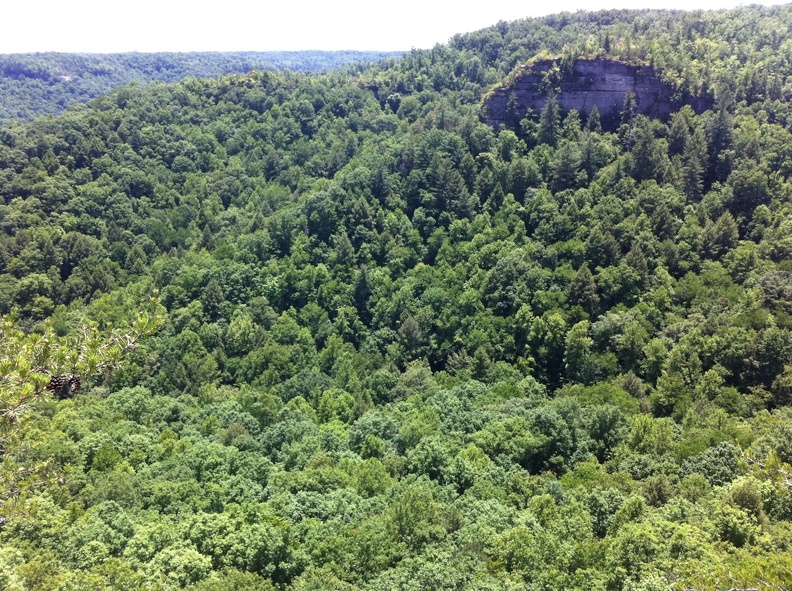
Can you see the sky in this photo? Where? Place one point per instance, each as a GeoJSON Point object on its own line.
{"type": "Point", "coordinates": [100, 26]}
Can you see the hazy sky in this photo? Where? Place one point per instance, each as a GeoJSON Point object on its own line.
{"type": "Point", "coordinates": [239, 25]}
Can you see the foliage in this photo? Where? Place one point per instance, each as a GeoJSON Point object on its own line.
{"type": "Point", "coordinates": [401, 349]}
{"type": "Point", "coordinates": [47, 83]}
{"type": "Point", "coordinates": [31, 363]}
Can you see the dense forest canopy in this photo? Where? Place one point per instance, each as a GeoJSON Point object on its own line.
{"type": "Point", "coordinates": [400, 349]}
{"type": "Point", "coordinates": [35, 84]}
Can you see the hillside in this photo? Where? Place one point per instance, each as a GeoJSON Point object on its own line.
{"type": "Point", "coordinates": [344, 335]}
{"type": "Point", "coordinates": [38, 84]}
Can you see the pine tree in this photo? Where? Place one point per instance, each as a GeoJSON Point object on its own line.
{"type": "Point", "coordinates": [34, 366]}
{"type": "Point", "coordinates": [582, 291]}
{"type": "Point", "coordinates": [694, 159]}
{"type": "Point", "coordinates": [629, 109]}
{"type": "Point", "coordinates": [593, 122]}
{"type": "Point", "coordinates": [550, 122]}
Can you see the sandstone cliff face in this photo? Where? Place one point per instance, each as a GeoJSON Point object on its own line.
{"type": "Point", "coordinates": [599, 82]}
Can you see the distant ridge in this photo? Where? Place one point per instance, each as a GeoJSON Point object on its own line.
{"type": "Point", "coordinates": [35, 84]}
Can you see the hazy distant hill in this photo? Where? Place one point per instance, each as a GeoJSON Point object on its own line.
{"type": "Point", "coordinates": [33, 84]}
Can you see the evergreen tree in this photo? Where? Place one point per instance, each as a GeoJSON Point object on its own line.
{"type": "Point", "coordinates": [593, 123]}
{"type": "Point", "coordinates": [582, 291]}
{"type": "Point", "coordinates": [550, 122]}
{"type": "Point", "coordinates": [694, 160]}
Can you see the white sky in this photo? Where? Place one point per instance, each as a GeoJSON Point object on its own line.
{"type": "Point", "coordinates": [245, 25]}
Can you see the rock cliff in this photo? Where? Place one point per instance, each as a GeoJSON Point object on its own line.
{"type": "Point", "coordinates": [587, 83]}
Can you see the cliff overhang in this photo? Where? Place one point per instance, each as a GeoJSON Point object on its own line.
{"type": "Point", "coordinates": [582, 85]}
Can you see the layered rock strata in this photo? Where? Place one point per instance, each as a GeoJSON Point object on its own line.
{"type": "Point", "coordinates": [597, 82]}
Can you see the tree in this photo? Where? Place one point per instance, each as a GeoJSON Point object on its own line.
{"type": "Point", "coordinates": [644, 153]}
{"type": "Point", "coordinates": [566, 167]}
{"type": "Point", "coordinates": [593, 123]}
{"type": "Point", "coordinates": [362, 292]}
{"type": "Point", "coordinates": [579, 360]}
{"type": "Point", "coordinates": [629, 108]}
{"type": "Point", "coordinates": [582, 291]}
{"type": "Point", "coordinates": [550, 122]}
{"type": "Point", "coordinates": [602, 250]}
{"type": "Point", "coordinates": [750, 190]}
{"type": "Point", "coordinates": [694, 159]}
{"type": "Point", "coordinates": [34, 366]}
{"type": "Point", "coordinates": [448, 188]}
{"type": "Point", "coordinates": [720, 237]}
{"type": "Point", "coordinates": [415, 517]}
{"type": "Point", "coordinates": [679, 133]}
{"type": "Point", "coordinates": [212, 298]}
{"type": "Point", "coordinates": [720, 135]}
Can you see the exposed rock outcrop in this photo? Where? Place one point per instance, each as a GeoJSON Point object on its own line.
{"type": "Point", "coordinates": [587, 83]}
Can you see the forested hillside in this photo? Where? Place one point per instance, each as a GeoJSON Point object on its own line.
{"type": "Point", "coordinates": [38, 84]}
{"type": "Point", "coordinates": [342, 335]}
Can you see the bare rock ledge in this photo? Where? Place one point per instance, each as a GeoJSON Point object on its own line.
{"type": "Point", "coordinates": [600, 82]}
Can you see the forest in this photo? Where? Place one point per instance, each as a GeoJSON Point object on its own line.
{"type": "Point", "coordinates": [330, 331]}
{"type": "Point", "coordinates": [35, 84]}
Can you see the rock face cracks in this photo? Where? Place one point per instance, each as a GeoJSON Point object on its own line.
{"type": "Point", "coordinates": [581, 86]}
